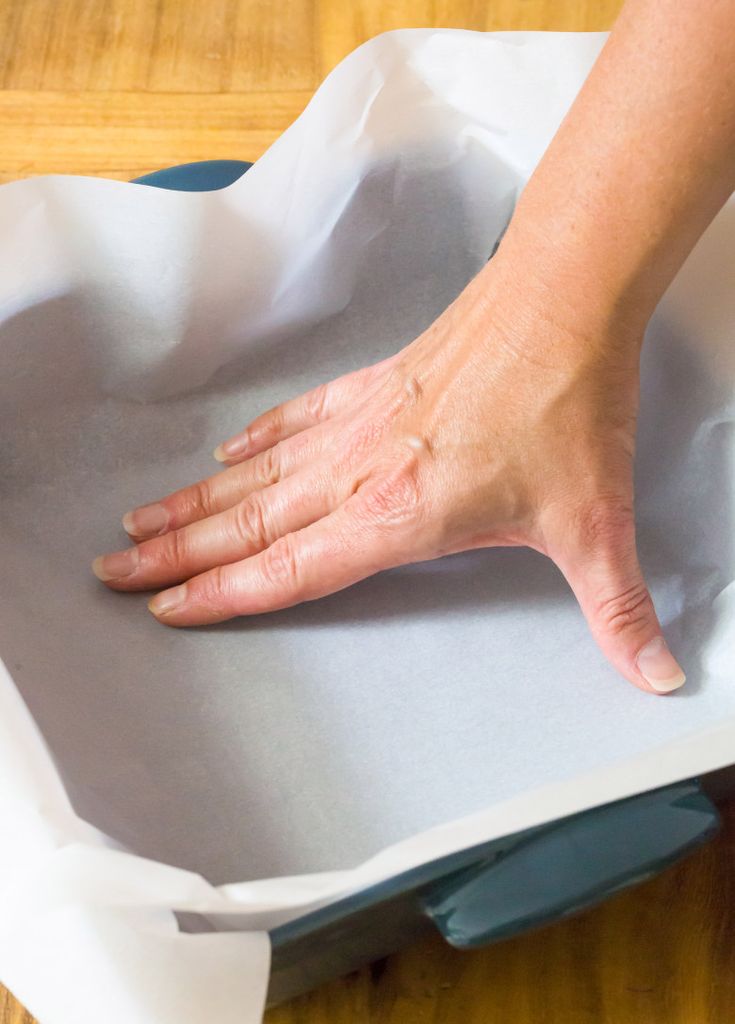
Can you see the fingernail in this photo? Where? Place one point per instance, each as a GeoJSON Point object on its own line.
{"type": "Point", "coordinates": [167, 600]}
{"type": "Point", "coordinates": [229, 449]}
{"type": "Point", "coordinates": [149, 520]}
{"type": "Point", "coordinates": [116, 565]}
{"type": "Point", "coordinates": [659, 667]}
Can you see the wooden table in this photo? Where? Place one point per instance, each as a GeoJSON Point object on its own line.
{"type": "Point", "coordinates": [121, 87]}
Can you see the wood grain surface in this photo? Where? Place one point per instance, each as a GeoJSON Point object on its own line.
{"type": "Point", "coordinates": [121, 87]}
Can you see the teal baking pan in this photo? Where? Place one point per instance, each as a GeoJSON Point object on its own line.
{"type": "Point", "coordinates": [495, 890]}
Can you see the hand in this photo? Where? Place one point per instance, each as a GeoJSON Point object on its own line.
{"type": "Point", "coordinates": [505, 423]}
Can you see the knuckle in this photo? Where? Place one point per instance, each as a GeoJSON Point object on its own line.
{"type": "Point", "coordinates": [315, 403]}
{"type": "Point", "coordinates": [199, 500]}
{"type": "Point", "coordinates": [280, 564]}
{"type": "Point", "coordinates": [413, 388]}
{"type": "Point", "coordinates": [172, 550]}
{"type": "Point", "coordinates": [419, 443]}
{"type": "Point", "coordinates": [625, 610]}
{"type": "Point", "coordinates": [405, 386]}
{"type": "Point", "coordinates": [215, 590]}
{"type": "Point", "coordinates": [395, 497]}
{"type": "Point", "coordinates": [269, 466]}
{"type": "Point", "coordinates": [360, 443]}
{"type": "Point", "coordinates": [275, 422]}
{"type": "Point", "coordinates": [250, 523]}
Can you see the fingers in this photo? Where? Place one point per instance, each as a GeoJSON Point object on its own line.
{"type": "Point", "coordinates": [246, 528]}
{"type": "Point", "coordinates": [327, 556]}
{"type": "Point", "coordinates": [223, 490]}
{"type": "Point", "coordinates": [602, 568]}
{"type": "Point", "coordinates": [279, 442]}
{"type": "Point", "coordinates": [307, 410]}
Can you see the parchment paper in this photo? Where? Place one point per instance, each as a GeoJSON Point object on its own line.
{"type": "Point", "coordinates": [138, 328]}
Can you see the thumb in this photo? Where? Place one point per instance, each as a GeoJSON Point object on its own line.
{"type": "Point", "coordinates": [602, 568]}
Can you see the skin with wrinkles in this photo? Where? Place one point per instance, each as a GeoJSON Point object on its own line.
{"type": "Point", "coordinates": [512, 419]}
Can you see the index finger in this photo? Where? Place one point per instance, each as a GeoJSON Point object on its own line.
{"type": "Point", "coordinates": [307, 410]}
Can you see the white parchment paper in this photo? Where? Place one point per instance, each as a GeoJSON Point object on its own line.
{"type": "Point", "coordinates": [255, 769]}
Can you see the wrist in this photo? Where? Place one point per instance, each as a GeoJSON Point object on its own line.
{"type": "Point", "coordinates": [576, 289]}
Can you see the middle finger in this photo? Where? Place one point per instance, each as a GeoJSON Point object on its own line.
{"type": "Point", "coordinates": [221, 491]}
{"type": "Point", "coordinates": [248, 527]}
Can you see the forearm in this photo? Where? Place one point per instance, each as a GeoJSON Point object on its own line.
{"type": "Point", "coordinates": [640, 165]}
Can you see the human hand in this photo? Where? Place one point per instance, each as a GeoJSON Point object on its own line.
{"type": "Point", "coordinates": [507, 422]}
{"type": "Point", "coordinates": [512, 419]}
